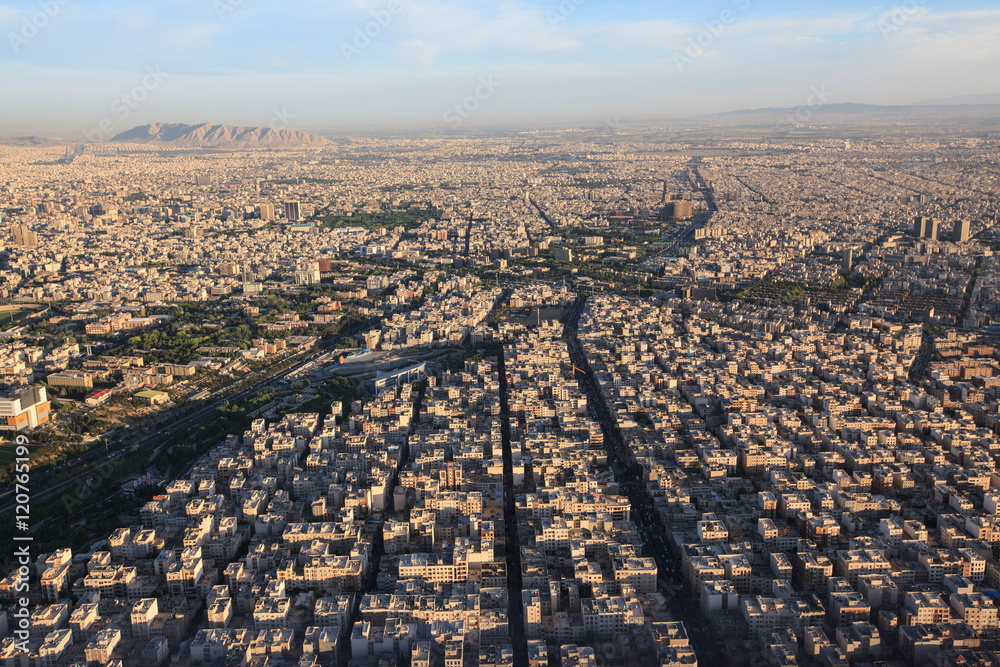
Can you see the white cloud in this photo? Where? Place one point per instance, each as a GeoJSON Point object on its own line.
{"type": "Point", "coordinates": [661, 35]}
{"type": "Point", "coordinates": [9, 15]}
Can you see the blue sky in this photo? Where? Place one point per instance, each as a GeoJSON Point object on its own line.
{"type": "Point", "coordinates": [68, 65]}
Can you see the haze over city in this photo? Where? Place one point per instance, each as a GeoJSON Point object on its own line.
{"type": "Point", "coordinates": [581, 61]}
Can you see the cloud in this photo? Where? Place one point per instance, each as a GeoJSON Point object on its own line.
{"type": "Point", "coordinates": [9, 15]}
{"type": "Point", "coordinates": [658, 35]}
{"type": "Point", "coordinates": [418, 51]}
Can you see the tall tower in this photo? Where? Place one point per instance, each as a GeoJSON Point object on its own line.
{"type": "Point", "coordinates": [963, 231]}
{"type": "Point", "coordinates": [931, 229]}
{"type": "Point", "coordinates": [848, 260]}
{"type": "Point", "coordinates": [292, 211]}
{"type": "Point", "coordinates": [23, 236]}
{"type": "Point", "coordinates": [925, 228]}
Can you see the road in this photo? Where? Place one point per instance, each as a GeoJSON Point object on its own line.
{"type": "Point", "coordinates": [515, 612]}
{"type": "Point", "coordinates": [923, 360]}
{"type": "Point", "coordinates": [688, 235]}
{"type": "Point", "coordinates": [651, 531]}
{"type": "Point", "coordinates": [494, 315]}
{"type": "Point", "coordinates": [545, 216]}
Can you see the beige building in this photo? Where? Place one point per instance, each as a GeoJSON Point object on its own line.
{"type": "Point", "coordinates": [101, 647]}
{"type": "Point", "coordinates": [71, 379]}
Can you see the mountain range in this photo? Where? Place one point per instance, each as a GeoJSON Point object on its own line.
{"type": "Point", "coordinates": [32, 141]}
{"type": "Point", "coordinates": [871, 112]}
{"type": "Point", "coordinates": [208, 135]}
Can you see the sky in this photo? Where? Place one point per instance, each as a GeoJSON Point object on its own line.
{"type": "Point", "coordinates": [93, 68]}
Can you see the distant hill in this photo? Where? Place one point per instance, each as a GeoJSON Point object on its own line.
{"type": "Point", "coordinates": [208, 135]}
{"type": "Point", "coordinates": [40, 142]}
{"type": "Point", "coordinates": [852, 109]}
{"type": "Point", "coordinates": [992, 98]}
{"type": "Point", "coordinates": [849, 114]}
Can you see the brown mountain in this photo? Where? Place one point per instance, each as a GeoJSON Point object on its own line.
{"type": "Point", "coordinates": [208, 135]}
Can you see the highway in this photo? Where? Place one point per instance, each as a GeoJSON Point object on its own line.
{"type": "Point", "coordinates": [653, 536]}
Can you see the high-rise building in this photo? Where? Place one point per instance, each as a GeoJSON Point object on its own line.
{"type": "Point", "coordinates": [931, 229]}
{"type": "Point", "coordinates": [680, 210]}
{"type": "Point", "coordinates": [307, 273]}
{"type": "Point", "coordinates": [266, 211]}
{"type": "Point", "coordinates": [292, 211]}
{"type": "Point", "coordinates": [925, 228]}
{"type": "Point", "coordinates": [23, 236]}
{"type": "Point", "coordinates": [848, 260]}
{"type": "Point", "coordinates": [963, 231]}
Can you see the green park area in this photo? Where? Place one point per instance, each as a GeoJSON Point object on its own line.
{"type": "Point", "coordinates": [409, 219]}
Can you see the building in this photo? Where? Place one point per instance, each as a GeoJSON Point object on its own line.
{"type": "Point", "coordinates": [143, 614]}
{"type": "Point", "coordinates": [153, 397]}
{"type": "Point", "coordinates": [293, 212]}
{"type": "Point", "coordinates": [101, 647]}
{"type": "Point", "coordinates": [56, 643]}
{"type": "Point", "coordinates": [925, 228]}
{"type": "Point", "coordinates": [23, 236]}
{"type": "Point", "coordinates": [926, 608]}
{"type": "Point", "coordinates": [116, 323]}
{"type": "Point", "coordinates": [564, 255]}
{"type": "Point", "coordinates": [680, 210]}
{"type": "Point", "coordinates": [24, 409]}
{"type": "Point", "coordinates": [976, 610]}
{"type": "Point", "coordinates": [71, 379]}
{"type": "Point", "coordinates": [765, 614]}
{"type": "Point", "coordinates": [307, 273]}
{"type": "Point", "coordinates": [963, 231]}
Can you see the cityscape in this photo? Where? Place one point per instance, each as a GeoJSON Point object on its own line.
{"type": "Point", "coordinates": [716, 388]}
